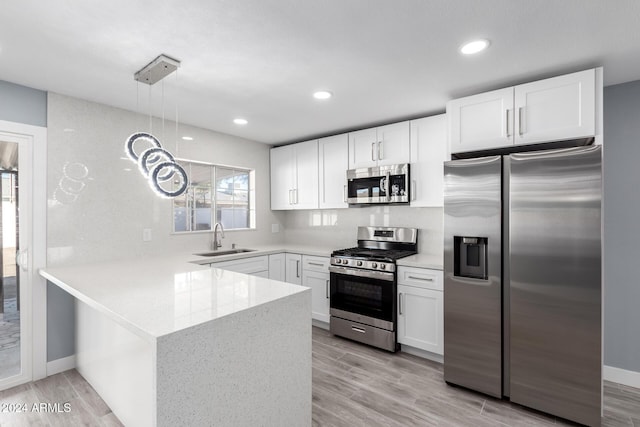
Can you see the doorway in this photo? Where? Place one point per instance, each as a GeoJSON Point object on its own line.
{"type": "Point", "coordinates": [10, 358]}
{"type": "Point", "coordinates": [23, 205]}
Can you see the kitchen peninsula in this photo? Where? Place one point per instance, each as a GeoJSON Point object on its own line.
{"type": "Point", "coordinates": [166, 342]}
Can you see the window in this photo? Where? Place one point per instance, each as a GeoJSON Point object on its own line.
{"type": "Point", "coordinates": [215, 194]}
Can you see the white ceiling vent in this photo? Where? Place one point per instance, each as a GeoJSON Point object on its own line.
{"type": "Point", "coordinates": [157, 70]}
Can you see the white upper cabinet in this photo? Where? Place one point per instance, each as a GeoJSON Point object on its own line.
{"type": "Point", "coordinates": [384, 145]}
{"type": "Point", "coordinates": [481, 121]}
{"type": "Point", "coordinates": [363, 148]}
{"type": "Point", "coordinates": [282, 177]}
{"type": "Point", "coordinates": [554, 109]}
{"type": "Point", "coordinates": [429, 150]}
{"type": "Point", "coordinates": [333, 158]}
{"type": "Point", "coordinates": [294, 176]}
{"type": "Point", "coordinates": [306, 190]}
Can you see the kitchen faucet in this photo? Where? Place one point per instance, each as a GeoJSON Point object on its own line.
{"type": "Point", "coordinates": [215, 243]}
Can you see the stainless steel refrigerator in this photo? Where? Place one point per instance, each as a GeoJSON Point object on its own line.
{"type": "Point", "coordinates": [522, 290]}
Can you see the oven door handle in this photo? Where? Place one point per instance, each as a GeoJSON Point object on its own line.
{"type": "Point", "coordinates": [390, 277]}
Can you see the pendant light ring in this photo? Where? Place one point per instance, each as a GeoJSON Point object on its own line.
{"type": "Point", "coordinates": [175, 169]}
{"type": "Point", "coordinates": [140, 136]}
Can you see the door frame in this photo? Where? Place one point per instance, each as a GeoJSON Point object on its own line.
{"type": "Point", "coordinates": [34, 294]}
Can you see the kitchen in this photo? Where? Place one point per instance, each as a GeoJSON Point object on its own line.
{"type": "Point", "coordinates": [107, 221]}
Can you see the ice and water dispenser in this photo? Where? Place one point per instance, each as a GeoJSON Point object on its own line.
{"type": "Point", "coordinates": [470, 257]}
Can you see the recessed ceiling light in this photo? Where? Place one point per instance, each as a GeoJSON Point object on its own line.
{"type": "Point", "coordinates": [240, 121]}
{"type": "Point", "coordinates": [187, 138]}
{"type": "Point", "coordinates": [322, 94]}
{"type": "Point", "coordinates": [474, 46]}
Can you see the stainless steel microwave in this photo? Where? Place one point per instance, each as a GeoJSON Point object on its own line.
{"type": "Point", "coordinates": [378, 185]}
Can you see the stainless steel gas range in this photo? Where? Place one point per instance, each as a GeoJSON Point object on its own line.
{"type": "Point", "coordinates": [364, 285]}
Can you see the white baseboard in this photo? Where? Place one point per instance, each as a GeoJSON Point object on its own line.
{"type": "Point", "coordinates": [621, 376]}
{"type": "Point", "coordinates": [422, 353]}
{"type": "Point", "coordinates": [320, 324]}
{"type": "Point", "coordinates": [61, 365]}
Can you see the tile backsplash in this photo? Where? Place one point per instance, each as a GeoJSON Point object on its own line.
{"type": "Point", "coordinates": [336, 228]}
{"type": "Point", "coordinates": [98, 203]}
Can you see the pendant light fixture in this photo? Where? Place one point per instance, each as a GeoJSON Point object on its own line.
{"type": "Point", "coordinates": [166, 177]}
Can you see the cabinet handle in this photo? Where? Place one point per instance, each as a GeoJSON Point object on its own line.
{"type": "Point", "coordinates": [380, 153]}
{"type": "Point", "coordinates": [316, 264]}
{"type": "Point", "coordinates": [373, 148]}
{"type": "Point", "coordinates": [520, 131]}
{"type": "Point", "coordinates": [290, 197]}
{"type": "Point", "coordinates": [355, 328]}
{"type": "Point", "coordinates": [297, 268]}
{"type": "Point", "coordinates": [400, 303]}
{"type": "Point", "coordinates": [345, 194]}
{"type": "Point", "coordinates": [327, 289]}
{"type": "Point", "coordinates": [507, 120]}
{"type": "Point", "coordinates": [426, 279]}
{"type": "Point", "coordinates": [412, 190]}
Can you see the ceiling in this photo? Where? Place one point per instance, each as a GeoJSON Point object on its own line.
{"type": "Point", "coordinates": [384, 60]}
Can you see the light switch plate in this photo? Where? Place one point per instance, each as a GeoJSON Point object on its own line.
{"type": "Point", "coordinates": [146, 234]}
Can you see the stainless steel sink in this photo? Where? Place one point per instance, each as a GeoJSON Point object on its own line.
{"type": "Point", "coordinates": [227, 252]}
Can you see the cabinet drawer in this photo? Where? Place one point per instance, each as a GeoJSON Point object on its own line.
{"type": "Point", "coordinates": [245, 265]}
{"type": "Point", "coordinates": [315, 263]}
{"type": "Point", "coordinates": [420, 277]}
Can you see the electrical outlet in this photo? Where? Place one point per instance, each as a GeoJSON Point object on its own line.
{"type": "Point", "coordinates": [146, 234]}
{"type": "Point", "coordinates": [275, 228]}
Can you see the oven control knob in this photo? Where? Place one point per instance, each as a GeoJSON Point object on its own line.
{"type": "Point", "coordinates": [338, 261]}
{"type": "Point", "coordinates": [374, 265]}
{"type": "Point", "coordinates": [359, 263]}
{"type": "Point", "coordinates": [383, 266]}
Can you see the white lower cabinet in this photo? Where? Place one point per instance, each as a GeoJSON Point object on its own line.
{"type": "Point", "coordinates": [315, 274]}
{"type": "Point", "coordinates": [257, 266]}
{"type": "Point", "coordinates": [293, 268]}
{"type": "Point", "coordinates": [277, 269]}
{"type": "Point", "coordinates": [420, 309]}
{"type": "Point", "coordinates": [306, 270]}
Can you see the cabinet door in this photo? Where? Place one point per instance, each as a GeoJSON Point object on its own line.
{"type": "Point", "coordinates": [555, 109]}
{"type": "Point", "coordinates": [306, 188]}
{"type": "Point", "coordinates": [394, 144]}
{"type": "Point", "coordinates": [250, 265]}
{"type": "Point", "coordinates": [319, 284]}
{"type": "Point", "coordinates": [293, 264]}
{"type": "Point", "coordinates": [333, 162]}
{"type": "Point", "coordinates": [429, 151]}
{"type": "Point", "coordinates": [277, 269]}
{"type": "Point", "coordinates": [420, 318]}
{"type": "Point", "coordinates": [481, 121]}
{"type": "Point", "coordinates": [282, 177]}
{"type": "Point", "coordinates": [363, 149]}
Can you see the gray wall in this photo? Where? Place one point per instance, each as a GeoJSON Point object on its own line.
{"type": "Point", "coordinates": [622, 226]}
{"type": "Point", "coordinates": [23, 104]}
{"type": "Point", "coordinates": [61, 319]}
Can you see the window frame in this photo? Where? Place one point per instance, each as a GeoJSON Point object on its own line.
{"type": "Point", "coordinates": [190, 198]}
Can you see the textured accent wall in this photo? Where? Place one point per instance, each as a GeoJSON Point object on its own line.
{"type": "Point", "coordinates": [621, 226]}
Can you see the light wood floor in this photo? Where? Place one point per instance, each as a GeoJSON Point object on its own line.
{"type": "Point", "coordinates": [353, 385]}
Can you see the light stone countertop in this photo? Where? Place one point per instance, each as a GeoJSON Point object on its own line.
{"type": "Point", "coordinates": [261, 250]}
{"type": "Point", "coordinates": [157, 296]}
{"type": "Point", "coordinates": [422, 261]}
{"type": "Point", "coordinates": [434, 262]}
